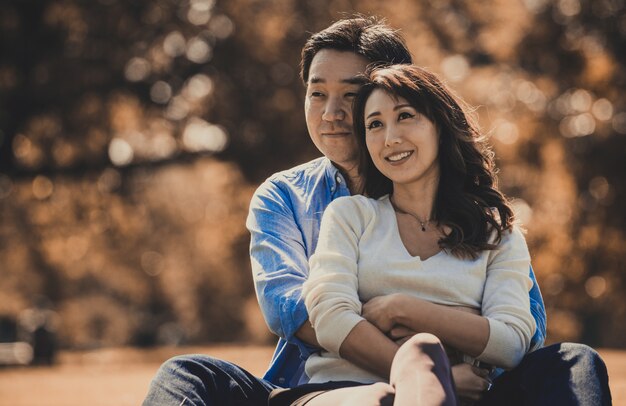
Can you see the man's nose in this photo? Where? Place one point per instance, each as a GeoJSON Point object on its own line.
{"type": "Point", "coordinates": [335, 110]}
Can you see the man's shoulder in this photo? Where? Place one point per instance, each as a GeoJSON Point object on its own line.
{"type": "Point", "coordinates": [299, 180]}
{"type": "Point", "coordinates": [297, 176]}
{"type": "Point", "coordinates": [314, 168]}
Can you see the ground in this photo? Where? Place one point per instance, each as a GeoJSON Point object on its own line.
{"type": "Point", "coordinates": [121, 376]}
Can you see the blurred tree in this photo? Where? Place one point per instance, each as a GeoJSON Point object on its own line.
{"type": "Point", "coordinates": [132, 133]}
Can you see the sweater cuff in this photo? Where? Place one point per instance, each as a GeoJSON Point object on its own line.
{"type": "Point", "coordinates": [500, 350]}
{"type": "Point", "coordinates": [333, 336]}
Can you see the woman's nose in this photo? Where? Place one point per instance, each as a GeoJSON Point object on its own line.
{"type": "Point", "coordinates": [392, 136]}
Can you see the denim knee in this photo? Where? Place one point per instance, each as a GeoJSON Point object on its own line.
{"type": "Point", "coordinates": [182, 364]}
{"type": "Point", "coordinates": [580, 353]}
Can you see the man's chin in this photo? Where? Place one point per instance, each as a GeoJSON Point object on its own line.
{"type": "Point", "coordinates": [337, 136]}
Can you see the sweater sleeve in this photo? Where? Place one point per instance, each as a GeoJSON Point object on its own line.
{"type": "Point", "coordinates": [331, 291]}
{"type": "Point", "coordinates": [506, 302]}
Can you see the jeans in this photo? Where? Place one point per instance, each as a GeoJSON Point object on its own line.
{"type": "Point", "coordinates": [561, 374]}
{"type": "Point", "coordinates": [195, 380]}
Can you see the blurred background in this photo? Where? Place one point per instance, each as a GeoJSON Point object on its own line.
{"type": "Point", "coordinates": [133, 133]}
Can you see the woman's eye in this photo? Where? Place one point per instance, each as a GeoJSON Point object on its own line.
{"type": "Point", "coordinates": [374, 124]}
{"type": "Point", "coordinates": [404, 115]}
{"type": "Point", "coordinates": [317, 94]}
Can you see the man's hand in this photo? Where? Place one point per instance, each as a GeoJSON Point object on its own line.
{"type": "Point", "coordinates": [379, 311]}
{"type": "Point", "coordinates": [471, 382]}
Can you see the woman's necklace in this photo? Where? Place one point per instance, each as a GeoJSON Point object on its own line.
{"type": "Point", "coordinates": [399, 210]}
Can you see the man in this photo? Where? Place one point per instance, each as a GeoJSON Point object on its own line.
{"type": "Point", "coordinates": [284, 220]}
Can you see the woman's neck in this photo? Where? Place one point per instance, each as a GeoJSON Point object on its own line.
{"type": "Point", "coordinates": [416, 198]}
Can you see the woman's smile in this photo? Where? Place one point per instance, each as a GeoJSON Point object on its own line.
{"type": "Point", "coordinates": [400, 157]}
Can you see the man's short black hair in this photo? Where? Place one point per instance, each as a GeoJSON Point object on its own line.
{"type": "Point", "coordinates": [369, 37]}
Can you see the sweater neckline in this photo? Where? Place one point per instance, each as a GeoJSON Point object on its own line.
{"type": "Point", "coordinates": [390, 212]}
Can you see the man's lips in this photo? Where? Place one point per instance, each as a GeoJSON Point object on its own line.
{"type": "Point", "coordinates": [336, 134]}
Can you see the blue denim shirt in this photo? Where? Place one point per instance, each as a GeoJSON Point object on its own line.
{"type": "Point", "coordinates": [284, 221]}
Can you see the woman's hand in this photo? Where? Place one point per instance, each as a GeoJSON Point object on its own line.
{"type": "Point", "coordinates": [380, 311]}
{"type": "Point", "coordinates": [471, 382]}
{"type": "Point", "coordinates": [400, 334]}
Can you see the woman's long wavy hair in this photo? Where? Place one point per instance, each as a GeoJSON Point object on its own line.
{"type": "Point", "coordinates": [467, 200]}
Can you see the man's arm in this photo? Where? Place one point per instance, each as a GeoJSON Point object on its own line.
{"type": "Point", "coordinates": [279, 265]}
{"type": "Point", "coordinates": [538, 311]}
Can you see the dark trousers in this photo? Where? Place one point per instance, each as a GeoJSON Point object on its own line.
{"type": "Point", "coordinates": [561, 374]}
{"type": "Point", "coordinates": [195, 380]}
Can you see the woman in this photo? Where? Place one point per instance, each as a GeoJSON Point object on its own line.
{"type": "Point", "coordinates": [433, 237]}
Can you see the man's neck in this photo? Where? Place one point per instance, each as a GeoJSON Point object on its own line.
{"type": "Point", "coordinates": [353, 179]}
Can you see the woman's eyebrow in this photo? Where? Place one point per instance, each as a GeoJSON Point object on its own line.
{"type": "Point", "coordinates": [398, 107]}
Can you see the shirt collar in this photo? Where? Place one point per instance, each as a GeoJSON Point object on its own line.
{"type": "Point", "coordinates": [333, 176]}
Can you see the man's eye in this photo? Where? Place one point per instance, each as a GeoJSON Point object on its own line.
{"type": "Point", "coordinates": [404, 115]}
{"type": "Point", "coordinates": [317, 94]}
{"type": "Point", "coordinates": [374, 124]}
{"type": "Point", "coordinates": [351, 94]}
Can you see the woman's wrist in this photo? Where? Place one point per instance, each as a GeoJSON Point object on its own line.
{"type": "Point", "coordinates": [407, 311]}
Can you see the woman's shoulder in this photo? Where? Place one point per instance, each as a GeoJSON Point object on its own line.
{"type": "Point", "coordinates": [513, 239]}
{"type": "Point", "coordinates": [356, 205]}
{"type": "Point", "coordinates": [515, 233]}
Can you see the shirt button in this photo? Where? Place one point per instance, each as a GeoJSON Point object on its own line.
{"type": "Point", "coordinates": [338, 179]}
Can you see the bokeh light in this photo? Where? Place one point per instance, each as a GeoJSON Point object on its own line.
{"type": "Point", "coordinates": [137, 69]}
{"type": "Point", "coordinates": [199, 135]}
{"type": "Point", "coordinates": [161, 92]}
{"type": "Point", "coordinates": [120, 152]}
{"type": "Point", "coordinates": [198, 50]}
{"type": "Point", "coordinates": [455, 68]}
{"type": "Point", "coordinates": [174, 44]}
{"type": "Point", "coordinates": [42, 187]}
{"type": "Point", "coordinates": [595, 286]}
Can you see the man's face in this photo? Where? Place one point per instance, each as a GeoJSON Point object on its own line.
{"type": "Point", "coordinates": [330, 90]}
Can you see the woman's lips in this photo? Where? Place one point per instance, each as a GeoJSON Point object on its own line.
{"type": "Point", "coordinates": [399, 157]}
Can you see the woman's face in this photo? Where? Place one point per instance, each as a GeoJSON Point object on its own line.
{"type": "Point", "coordinates": [403, 143]}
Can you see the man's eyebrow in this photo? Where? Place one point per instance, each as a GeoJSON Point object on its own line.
{"type": "Point", "coordinates": [351, 81]}
{"type": "Point", "coordinates": [356, 80]}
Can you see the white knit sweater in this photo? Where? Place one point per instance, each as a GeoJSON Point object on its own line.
{"type": "Point", "coordinates": [360, 256]}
